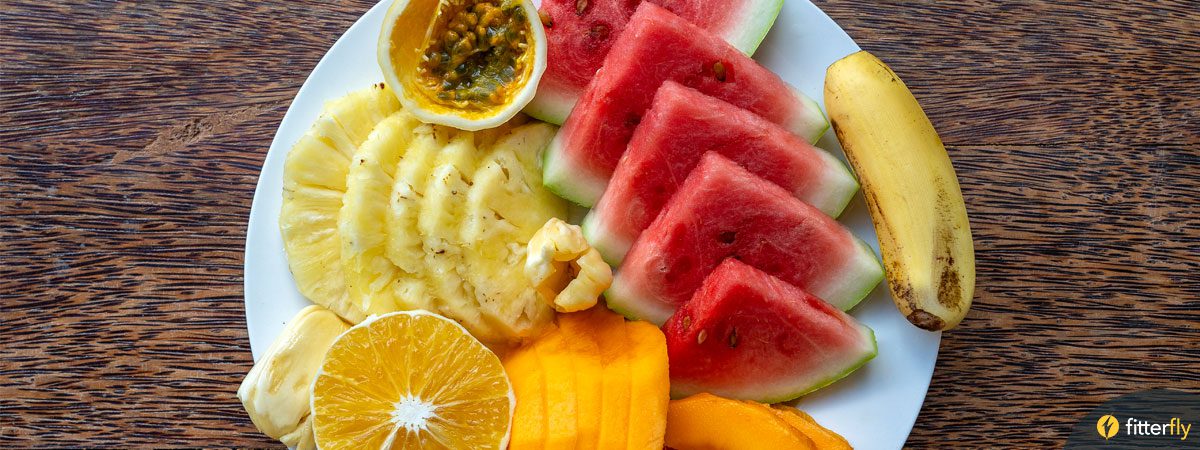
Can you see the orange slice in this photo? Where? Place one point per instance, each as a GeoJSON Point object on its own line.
{"type": "Point", "coordinates": [410, 380]}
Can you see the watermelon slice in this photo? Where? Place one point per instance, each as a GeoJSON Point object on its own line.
{"type": "Point", "coordinates": [723, 210]}
{"type": "Point", "coordinates": [579, 35]}
{"type": "Point", "coordinates": [657, 46]}
{"type": "Point", "coordinates": [679, 127]}
{"type": "Point", "coordinates": [750, 336]}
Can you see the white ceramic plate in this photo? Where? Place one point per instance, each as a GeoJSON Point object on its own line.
{"type": "Point", "coordinates": [874, 408]}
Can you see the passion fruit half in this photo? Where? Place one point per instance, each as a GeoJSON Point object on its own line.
{"type": "Point", "coordinates": [468, 64]}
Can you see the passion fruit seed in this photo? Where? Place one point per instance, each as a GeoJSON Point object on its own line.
{"type": "Point", "coordinates": [478, 55]}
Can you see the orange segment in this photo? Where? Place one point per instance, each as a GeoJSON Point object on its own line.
{"type": "Point", "coordinates": [410, 380]}
{"type": "Point", "coordinates": [705, 421]}
{"type": "Point", "coordinates": [822, 437]}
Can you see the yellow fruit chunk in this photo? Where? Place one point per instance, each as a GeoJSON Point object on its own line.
{"type": "Point", "coordinates": [647, 380]}
{"type": "Point", "coordinates": [276, 391]}
{"type": "Point", "coordinates": [604, 385]}
{"type": "Point", "coordinates": [410, 380]}
{"type": "Point", "coordinates": [822, 437]}
{"type": "Point", "coordinates": [567, 272]}
{"type": "Point", "coordinates": [910, 187]}
{"type": "Point", "coordinates": [469, 64]}
{"type": "Point", "coordinates": [705, 421]}
{"type": "Point", "coordinates": [314, 181]}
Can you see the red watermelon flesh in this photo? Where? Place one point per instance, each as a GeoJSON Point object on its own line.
{"type": "Point", "coordinates": [680, 126]}
{"type": "Point", "coordinates": [580, 33]}
{"type": "Point", "coordinates": [657, 46]}
{"type": "Point", "coordinates": [750, 336]}
{"type": "Point", "coordinates": [724, 211]}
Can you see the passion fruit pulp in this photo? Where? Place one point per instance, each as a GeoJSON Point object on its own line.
{"type": "Point", "coordinates": [469, 64]}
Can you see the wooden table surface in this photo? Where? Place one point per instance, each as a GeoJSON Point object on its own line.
{"type": "Point", "coordinates": [132, 133]}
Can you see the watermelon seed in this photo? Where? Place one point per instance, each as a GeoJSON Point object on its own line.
{"type": "Point", "coordinates": [702, 336]}
{"type": "Point", "coordinates": [733, 339]}
{"type": "Point", "coordinates": [727, 237]}
{"type": "Point", "coordinates": [687, 322]}
{"type": "Point", "coordinates": [580, 6]}
{"type": "Point", "coordinates": [545, 16]}
{"type": "Point", "coordinates": [719, 71]}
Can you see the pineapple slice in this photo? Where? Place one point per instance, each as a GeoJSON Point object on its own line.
{"type": "Point", "coordinates": [314, 180]}
{"type": "Point", "coordinates": [370, 276]}
{"type": "Point", "coordinates": [504, 208]}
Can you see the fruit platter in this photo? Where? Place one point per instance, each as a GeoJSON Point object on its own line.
{"type": "Point", "coordinates": [600, 224]}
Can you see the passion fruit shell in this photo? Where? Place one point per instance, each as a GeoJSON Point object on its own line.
{"type": "Point", "coordinates": [468, 64]}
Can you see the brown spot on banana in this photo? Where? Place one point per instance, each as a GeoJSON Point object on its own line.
{"type": "Point", "coordinates": [926, 320]}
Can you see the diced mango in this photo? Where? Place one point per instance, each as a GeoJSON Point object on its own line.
{"type": "Point", "coordinates": [705, 421]}
{"type": "Point", "coordinates": [822, 437]}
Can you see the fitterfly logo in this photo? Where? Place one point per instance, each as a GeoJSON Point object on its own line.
{"type": "Point", "coordinates": [1108, 426]}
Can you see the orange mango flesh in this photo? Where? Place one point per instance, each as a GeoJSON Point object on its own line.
{"type": "Point", "coordinates": [588, 373]}
{"type": "Point", "coordinates": [648, 378]}
{"type": "Point", "coordinates": [614, 385]}
{"type": "Point", "coordinates": [822, 437]}
{"type": "Point", "coordinates": [593, 382]}
{"type": "Point", "coordinates": [560, 391]}
{"type": "Point", "coordinates": [705, 421]}
{"type": "Point", "coordinates": [530, 412]}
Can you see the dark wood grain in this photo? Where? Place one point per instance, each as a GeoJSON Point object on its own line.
{"type": "Point", "coordinates": [131, 135]}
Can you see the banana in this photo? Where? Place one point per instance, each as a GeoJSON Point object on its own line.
{"type": "Point", "coordinates": [276, 391]}
{"type": "Point", "coordinates": [910, 187]}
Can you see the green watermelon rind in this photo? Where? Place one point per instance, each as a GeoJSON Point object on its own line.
{"type": "Point", "coordinates": [564, 180]}
{"type": "Point", "coordinates": [843, 186]}
{"type": "Point", "coordinates": [605, 243]}
{"type": "Point", "coordinates": [754, 29]}
{"type": "Point", "coordinates": [796, 393]}
{"type": "Point", "coordinates": [866, 260]}
{"type": "Point", "coordinates": [628, 304]}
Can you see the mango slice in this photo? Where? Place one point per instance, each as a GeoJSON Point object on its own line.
{"type": "Point", "coordinates": [594, 381]}
{"type": "Point", "coordinates": [705, 421]}
{"type": "Point", "coordinates": [822, 437]}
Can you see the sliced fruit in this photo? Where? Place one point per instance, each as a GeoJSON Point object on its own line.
{"type": "Point", "coordinates": [407, 380]}
{"type": "Point", "coordinates": [705, 422]}
{"type": "Point", "coordinates": [583, 156]}
{"type": "Point", "coordinates": [603, 384]}
{"type": "Point", "coordinates": [822, 437]}
{"type": "Point", "coordinates": [911, 190]}
{"type": "Point", "coordinates": [750, 336]}
{"type": "Point", "coordinates": [648, 379]}
{"type": "Point", "coordinates": [579, 35]}
{"type": "Point", "coordinates": [371, 277]}
{"type": "Point", "coordinates": [314, 180]}
{"type": "Point", "coordinates": [723, 211]}
{"type": "Point", "coordinates": [567, 272]}
{"type": "Point", "coordinates": [680, 126]}
{"type": "Point", "coordinates": [469, 64]}
{"type": "Point", "coordinates": [451, 233]}
{"type": "Point", "coordinates": [276, 391]}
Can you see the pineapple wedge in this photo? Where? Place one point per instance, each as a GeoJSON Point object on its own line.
{"type": "Point", "coordinates": [314, 180]}
{"type": "Point", "coordinates": [276, 391]}
{"type": "Point", "coordinates": [371, 278]}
